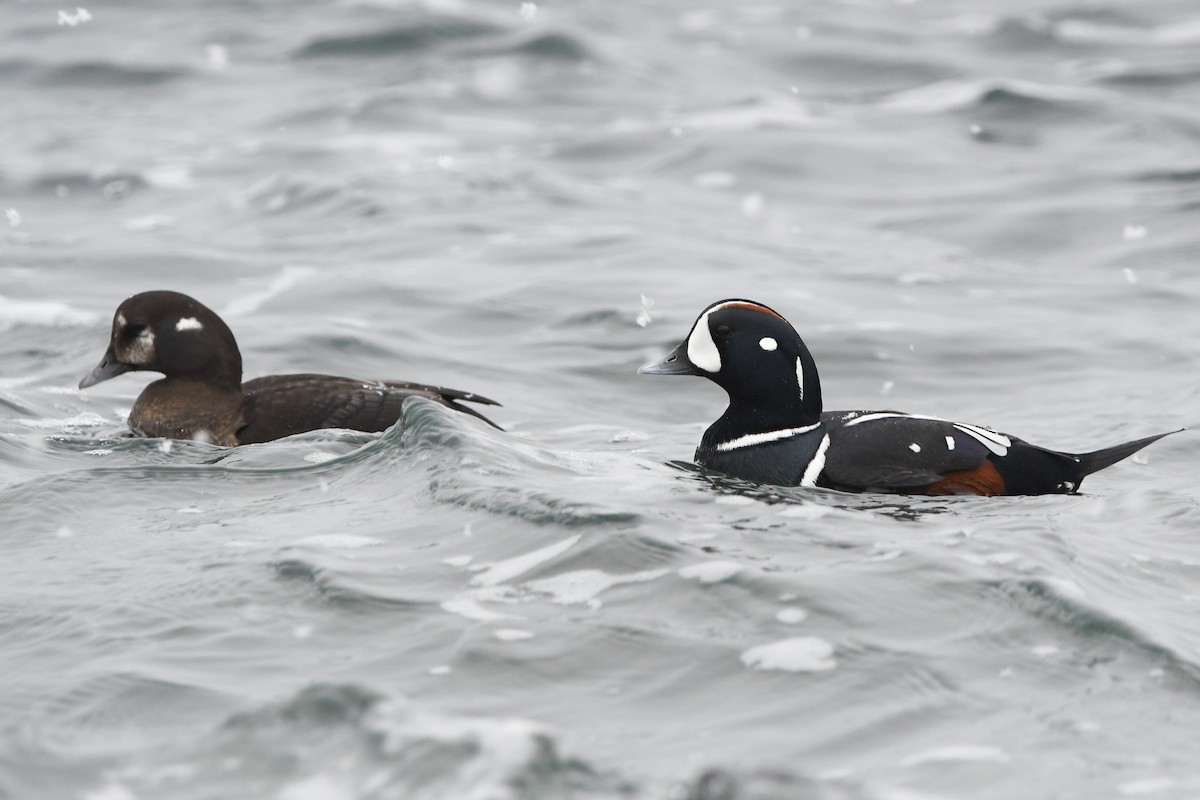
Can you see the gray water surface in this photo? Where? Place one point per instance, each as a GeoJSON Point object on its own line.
{"type": "Point", "coordinates": [979, 210]}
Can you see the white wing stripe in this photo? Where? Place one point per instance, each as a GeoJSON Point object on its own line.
{"type": "Point", "coordinates": [997, 443]}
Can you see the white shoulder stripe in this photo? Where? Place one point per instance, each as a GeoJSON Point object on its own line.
{"type": "Point", "coordinates": [813, 470]}
{"type": "Point", "coordinates": [752, 439]}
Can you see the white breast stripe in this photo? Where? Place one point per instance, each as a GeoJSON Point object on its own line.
{"type": "Point", "coordinates": [751, 439]}
{"type": "Point", "coordinates": [800, 376]}
{"type": "Point", "coordinates": [813, 470]}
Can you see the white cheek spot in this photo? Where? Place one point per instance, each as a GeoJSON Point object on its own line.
{"type": "Point", "coordinates": [916, 448]}
{"type": "Point", "coordinates": [767, 343]}
{"type": "Point", "coordinates": [701, 349]}
{"type": "Point", "coordinates": [189, 324]}
{"type": "Point", "coordinates": [949, 442]}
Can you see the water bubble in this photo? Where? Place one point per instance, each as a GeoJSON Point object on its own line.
{"type": "Point", "coordinates": [69, 19]}
{"type": "Point", "coordinates": [115, 190]}
{"type": "Point", "coordinates": [752, 205]}
{"type": "Point", "coordinates": [643, 317]}
{"type": "Point", "coordinates": [791, 616]}
{"type": "Point", "coordinates": [218, 57]}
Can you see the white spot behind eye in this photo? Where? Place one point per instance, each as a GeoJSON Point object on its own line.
{"type": "Point", "coordinates": [120, 320]}
{"type": "Point", "coordinates": [188, 324]}
{"type": "Point", "coordinates": [916, 448]}
{"type": "Point", "coordinates": [767, 343]}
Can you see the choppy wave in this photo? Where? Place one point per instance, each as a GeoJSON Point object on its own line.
{"type": "Point", "coordinates": [369, 746]}
{"type": "Point", "coordinates": [105, 75]}
{"type": "Point", "coordinates": [397, 40]}
{"type": "Point", "coordinates": [528, 200]}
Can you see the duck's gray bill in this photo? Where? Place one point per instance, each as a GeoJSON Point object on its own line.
{"type": "Point", "coordinates": [108, 367]}
{"type": "Point", "coordinates": [674, 363]}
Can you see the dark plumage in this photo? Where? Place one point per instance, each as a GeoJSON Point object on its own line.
{"type": "Point", "coordinates": [203, 397]}
{"type": "Point", "coordinates": [775, 431]}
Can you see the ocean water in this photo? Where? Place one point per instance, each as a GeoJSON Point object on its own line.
{"type": "Point", "coordinates": [982, 210]}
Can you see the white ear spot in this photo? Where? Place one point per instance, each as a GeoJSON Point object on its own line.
{"type": "Point", "coordinates": [189, 324]}
{"type": "Point", "coordinates": [916, 448]}
{"type": "Point", "coordinates": [120, 320]}
{"type": "Point", "coordinates": [767, 343]}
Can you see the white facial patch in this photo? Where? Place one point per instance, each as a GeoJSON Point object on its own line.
{"type": "Point", "coordinates": [701, 349]}
{"type": "Point", "coordinates": [767, 343]}
{"type": "Point", "coordinates": [141, 350]}
{"type": "Point", "coordinates": [189, 324]}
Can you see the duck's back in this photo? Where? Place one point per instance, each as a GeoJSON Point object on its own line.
{"type": "Point", "coordinates": [281, 405]}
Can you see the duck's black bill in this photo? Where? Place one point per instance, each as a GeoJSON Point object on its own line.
{"type": "Point", "coordinates": [108, 367]}
{"type": "Point", "coordinates": [674, 363]}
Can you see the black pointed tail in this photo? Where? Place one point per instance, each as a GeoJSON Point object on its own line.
{"type": "Point", "coordinates": [1099, 459]}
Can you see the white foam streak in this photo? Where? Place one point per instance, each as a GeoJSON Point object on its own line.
{"type": "Point", "coordinates": [581, 587]}
{"type": "Point", "coordinates": [711, 571]}
{"type": "Point", "coordinates": [251, 302]}
{"type": "Point", "coordinates": [799, 654]}
{"type": "Point", "coordinates": [957, 753]}
{"type": "Point", "coordinates": [956, 95]}
{"type": "Point", "coordinates": [39, 312]}
{"type": "Point", "coordinates": [508, 569]}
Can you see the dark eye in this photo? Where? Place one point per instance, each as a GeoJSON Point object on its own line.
{"type": "Point", "coordinates": [724, 330]}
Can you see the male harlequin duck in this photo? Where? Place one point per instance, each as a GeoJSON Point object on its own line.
{"type": "Point", "coordinates": [774, 430]}
{"type": "Point", "coordinates": [203, 397]}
